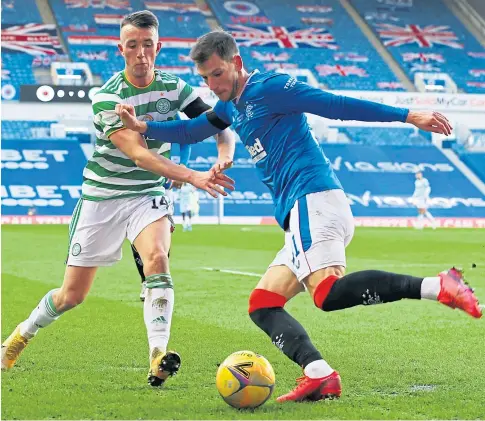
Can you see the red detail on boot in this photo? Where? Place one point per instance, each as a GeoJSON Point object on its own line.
{"type": "Point", "coordinates": [262, 298]}
{"type": "Point", "coordinates": [323, 289]}
{"type": "Point", "coordinates": [329, 387]}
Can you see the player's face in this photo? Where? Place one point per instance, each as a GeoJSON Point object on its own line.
{"type": "Point", "coordinates": [419, 175]}
{"type": "Point", "coordinates": [222, 76]}
{"type": "Point", "coordinates": [139, 47]}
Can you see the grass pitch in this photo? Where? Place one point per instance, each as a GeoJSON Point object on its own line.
{"type": "Point", "coordinates": [407, 360]}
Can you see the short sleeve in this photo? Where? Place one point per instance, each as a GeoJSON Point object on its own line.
{"type": "Point", "coordinates": [105, 118]}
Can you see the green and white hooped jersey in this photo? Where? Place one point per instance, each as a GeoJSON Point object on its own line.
{"type": "Point", "coordinates": [110, 174]}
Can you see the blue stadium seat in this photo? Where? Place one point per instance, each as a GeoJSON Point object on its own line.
{"type": "Point", "coordinates": [476, 162]}
{"type": "Point", "coordinates": [16, 71]}
{"type": "Point", "coordinates": [427, 37]}
{"type": "Point", "coordinates": [23, 129]}
{"type": "Point", "coordinates": [19, 12]}
{"type": "Point", "coordinates": [343, 64]}
{"type": "Point", "coordinates": [379, 136]}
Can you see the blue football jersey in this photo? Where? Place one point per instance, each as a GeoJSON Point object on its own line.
{"type": "Point", "coordinates": [269, 117]}
{"type": "Point", "coordinates": [286, 155]}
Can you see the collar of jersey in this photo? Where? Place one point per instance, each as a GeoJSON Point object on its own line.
{"type": "Point", "coordinates": [137, 87]}
{"type": "Point", "coordinates": [236, 100]}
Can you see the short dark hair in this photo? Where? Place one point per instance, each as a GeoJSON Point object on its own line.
{"type": "Point", "coordinates": [141, 19]}
{"type": "Point", "coordinates": [220, 42]}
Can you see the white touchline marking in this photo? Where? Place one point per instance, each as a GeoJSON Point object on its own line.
{"type": "Point", "coordinates": [234, 272]}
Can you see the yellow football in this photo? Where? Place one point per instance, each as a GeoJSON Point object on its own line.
{"type": "Point", "coordinates": [245, 379]}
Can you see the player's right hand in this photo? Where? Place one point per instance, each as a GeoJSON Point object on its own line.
{"type": "Point", "coordinates": [211, 182]}
{"type": "Point", "coordinates": [128, 117]}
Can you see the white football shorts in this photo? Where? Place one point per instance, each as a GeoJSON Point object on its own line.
{"type": "Point", "coordinates": [98, 229]}
{"type": "Point", "coordinates": [321, 226]}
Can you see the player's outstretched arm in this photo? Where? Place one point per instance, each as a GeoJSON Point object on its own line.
{"type": "Point", "coordinates": [134, 147]}
{"type": "Point", "coordinates": [300, 97]}
{"type": "Point", "coordinates": [178, 131]}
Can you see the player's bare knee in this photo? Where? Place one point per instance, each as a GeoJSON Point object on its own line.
{"type": "Point", "coordinates": [156, 262]}
{"type": "Point", "coordinates": [320, 282]}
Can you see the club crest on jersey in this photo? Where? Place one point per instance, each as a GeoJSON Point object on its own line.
{"type": "Point", "coordinates": [249, 111]}
{"type": "Point", "coordinates": [256, 151]}
{"type": "Point", "coordinates": [163, 106]}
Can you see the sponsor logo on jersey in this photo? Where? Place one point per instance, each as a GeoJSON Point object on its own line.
{"type": "Point", "coordinates": [256, 151]}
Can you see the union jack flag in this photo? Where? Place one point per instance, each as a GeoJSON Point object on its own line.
{"type": "Point", "coordinates": [476, 84]}
{"type": "Point", "coordinates": [269, 56]}
{"type": "Point", "coordinates": [98, 4]}
{"type": "Point", "coordinates": [426, 67]}
{"type": "Point", "coordinates": [389, 85]}
{"type": "Point", "coordinates": [326, 70]}
{"type": "Point", "coordinates": [423, 36]}
{"type": "Point", "coordinates": [476, 55]}
{"type": "Point", "coordinates": [33, 38]}
{"type": "Point", "coordinates": [351, 57]}
{"type": "Point", "coordinates": [477, 72]}
{"type": "Point", "coordinates": [424, 57]}
{"type": "Point", "coordinates": [283, 37]}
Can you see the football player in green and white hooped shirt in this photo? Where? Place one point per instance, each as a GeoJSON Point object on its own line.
{"type": "Point", "coordinates": [123, 197]}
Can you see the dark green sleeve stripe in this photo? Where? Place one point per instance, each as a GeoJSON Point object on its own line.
{"type": "Point", "coordinates": [104, 106]}
{"type": "Point", "coordinates": [131, 175]}
{"type": "Point", "coordinates": [105, 143]}
{"type": "Point", "coordinates": [125, 162]}
{"type": "Point", "coordinates": [135, 188]}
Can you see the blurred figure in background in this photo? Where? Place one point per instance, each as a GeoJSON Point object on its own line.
{"type": "Point", "coordinates": [420, 198]}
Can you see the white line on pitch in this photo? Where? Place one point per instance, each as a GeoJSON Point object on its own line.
{"type": "Point", "coordinates": [234, 272]}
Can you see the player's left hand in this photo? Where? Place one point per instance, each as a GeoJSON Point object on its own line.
{"type": "Point", "coordinates": [430, 121]}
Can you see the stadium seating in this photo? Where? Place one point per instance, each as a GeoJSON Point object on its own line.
{"type": "Point", "coordinates": [427, 37]}
{"type": "Point", "coordinates": [92, 34]}
{"type": "Point", "coordinates": [23, 129]}
{"type": "Point", "coordinates": [19, 12]}
{"type": "Point", "coordinates": [340, 64]}
{"type": "Point", "coordinates": [20, 18]}
{"type": "Point", "coordinates": [16, 71]}
{"type": "Point", "coordinates": [379, 136]}
{"type": "Point", "coordinates": [476, 162]}
{"type": "Point", "coordinates": [105, 20]}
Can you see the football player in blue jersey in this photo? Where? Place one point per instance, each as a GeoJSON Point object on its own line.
{"type": "Point", "coordinates": [267, 110]}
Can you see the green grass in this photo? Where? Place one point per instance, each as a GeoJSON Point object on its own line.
{"type": "Point", "coordinates": [407, 360]}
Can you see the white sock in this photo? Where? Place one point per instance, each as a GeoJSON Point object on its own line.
{"type": "Point", "coordinates": [43, 315]}
{"type": "Point", "coordinates": [429, 216]}
{"type": "Point", "coordinates": [430, 288]}
{"type": "Point", "coordinates": [318, 369]}
{"type": "Point", "coordinates": [158, 309]}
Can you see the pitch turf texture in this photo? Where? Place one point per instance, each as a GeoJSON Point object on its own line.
{"type": "Point", "coordinates": [407, 360]}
